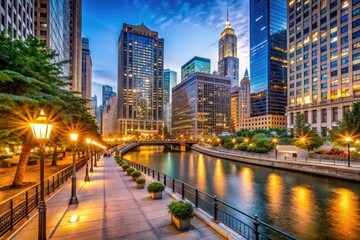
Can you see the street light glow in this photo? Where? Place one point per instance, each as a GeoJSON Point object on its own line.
{"type": "Point", "coordinates": [41, 128]}
{"type": "Point", "coordinates": [348, 139]}
{"type": "Point", "coordinates": [74, 136]}
{"type": "Point", "coordinates": [88, 140]}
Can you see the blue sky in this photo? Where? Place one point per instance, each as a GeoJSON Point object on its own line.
{"type": "Point", "coordinates": [189, 27]}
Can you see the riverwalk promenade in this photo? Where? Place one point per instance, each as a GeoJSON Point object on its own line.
{"type": "Point", "coordinates": [111, 207]}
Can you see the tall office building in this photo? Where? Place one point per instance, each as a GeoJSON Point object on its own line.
{"type": "Point", "coordinates": [93, 105]}
{"type": "Point", "coordinates": [228, 64]}
{"type": "Point", "coordinates": [109, 117]}
{"type": "Point", "coordinates": [18, 18]}
{"type": "Point", "coordinates": [52, 26]}
{"type": "Point", "coordinates": [140, 81]}
{"type": "Point", "coordinates": [107, 93]}
{"type": "Point", "coordinates": [170, 81]}
{"type": "Point", "coordinates": [324, 61]}
{"type": "Point", "coordinates": [201, 106]}
{"type": "Point", "coordinates": [86, 76]}
{"type": "Point", "coordinates": [268, 62]}
{"type": "Point", "coordinates": [240, 103]}
{"type": "Point", "coordinates": [75, 44]}
{"type": "Point", "coordinates": [196, 64]}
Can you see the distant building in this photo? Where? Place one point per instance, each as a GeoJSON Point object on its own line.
{"type": "Point", "coordinates": [23, 26]}
{"type": "Point", "coordinates": [170, 81]}
{"type": "Point", "coordinates": [264, 122]}
{"type": "Point", "coordinates": [201, 106]}
{"type": "Point", "coordinates": [240, 103]}
{"type": "Point", "coordinates": [109, 117]}
{"type": "Point", "coordinates": [94, 105]}
{"type": "Point", "coordinates": [196, 64]}
{"type": "Point", "coordinates": [52, 26]}
{"type": "Point", "coordinates": [86, 76]}
{"type": "Point", "coordinates": [228, 64]}
{"type": "Point", "coordinates": [140, 81]}
{"type": "Point", "coordinates": [107, 93]}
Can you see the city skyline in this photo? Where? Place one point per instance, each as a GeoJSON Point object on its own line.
{"type": "Point", "coordinates": [195, 29]}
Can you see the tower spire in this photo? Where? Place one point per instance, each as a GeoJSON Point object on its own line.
{"type": "Point", "coordinates": [227, 24]}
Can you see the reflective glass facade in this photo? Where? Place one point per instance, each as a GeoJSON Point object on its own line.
{"type": "Point", "coordinates": [140, 80]}
{"type": "Point", "coordinates": [196, 64]}
{"type": "Point", "coordinates": [107, 93]}
{"type": "Point", "coordinates": [201, 106]}
{"type": "Point", "coordinates": [86, 76]}
{"type": "Point", "coordinates": [170, 81]}
{"type": "Point", "coordinates": [268, 57]}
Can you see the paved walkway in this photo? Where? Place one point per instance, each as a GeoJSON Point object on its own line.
{"type": "Point", "coordinates": [111, 207]}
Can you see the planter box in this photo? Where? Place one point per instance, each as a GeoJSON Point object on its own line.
{"type": "Point", "coordinates": [135, 178]}
{"type": "Point", "coordinates": [140, 185]}
{"type": "Point", "coordinates": [181, 224]}
{"type": "Point", "coordinates": [156, 195]}
{"type": "Point", "coordinates": [128, 173]}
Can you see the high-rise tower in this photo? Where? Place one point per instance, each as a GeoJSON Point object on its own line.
{"type": "Point", "coordinates": [140, 81]}
{"type": "Point", "coordinates": [228, 64]}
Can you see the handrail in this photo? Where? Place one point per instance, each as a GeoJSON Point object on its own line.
{"type": "Point", "coordinates": [219, 214]}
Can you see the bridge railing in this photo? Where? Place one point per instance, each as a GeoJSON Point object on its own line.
{"type": "Point", "coordinates": [244, 224]}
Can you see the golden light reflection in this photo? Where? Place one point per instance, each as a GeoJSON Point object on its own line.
{"type": "Point", "coordinates": [275, 192]}
{"type": "Point", "coordinates": [303, 209]}
{"type": "Point", "coordinates": [246, 179]}
{"type": "Point", "coordinates": [219, 178]}
{"type": "Point", "coordinates": [201, 172]}
{"type": "Point", "coordinates": [344, 214]}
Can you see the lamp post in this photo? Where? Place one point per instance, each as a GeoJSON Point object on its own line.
{"type": "Point", "coordinates": [41, 130]}
{"type": "Point", "coordinates": [73, 199]}
{"type": "Point", "coordinates": [91, 158]}
{"type": "Point", "coordinates": [275, 142]}
{"type": "Point", "coordinates": [87, 178]}
{"type": "Point", "coordinates": [95, 161]}
{"type": "Point", "coordinates": [348, 140]}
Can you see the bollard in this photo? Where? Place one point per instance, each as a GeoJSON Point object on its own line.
{"type": "Point", "coordinates": [183, 190]}
{"type": "Point", "coordinates": [173, 185]}
{"type": "Point", "coordinates": [215, 219]}
{"type": "Point", "coordinates": [158, 176]}
{"type": "Point", "coordinates": [196, 198]}
{"type": "Point", "coordinates": [153, 174]}
{"type": "Point", "coordinates": [165, 180]}
{"type": "Point", "coordinates": [256, 227]}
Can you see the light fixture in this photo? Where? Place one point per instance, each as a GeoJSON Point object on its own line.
{"type": "Point", "coordinates": [74, 218]}
{"type": "Point", "coordinates": [74, 136]}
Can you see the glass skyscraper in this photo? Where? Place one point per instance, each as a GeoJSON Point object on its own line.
{"type": "Point", "coordinates": [170, 81]}
{"type": "Point", "coordinates": [140, 81]}
{"type": "Point", "coordinates": [107, 93]}
{"type": "Point", "coordinates": [268, 54]}
{"type": "Point", "coordinates": [196, 64]}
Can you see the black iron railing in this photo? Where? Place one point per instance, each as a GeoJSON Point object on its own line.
{"type": "Point", "coordinates": [244, 224]}
{"type": "Point", "coordinates": [15, 209]}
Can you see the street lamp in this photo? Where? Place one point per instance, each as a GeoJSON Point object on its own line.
{"type": "Point", "coordinates": [348, 140]}
{"type": "Point", "coordinates": [73, 199]}
{"type": "Point", "coordinates": [88, 141]}
{"type": "Point", "coordinates": [275, 142]}
{"type": "Point", "coordinates": [87, 178]}
{"type": "Point", "coordinates": [246, 140]}
{"type": "Point", "coordinates": [233, 141]}
{"type": "Point", "coordinates": [94, 156]}
{"type": "Point", "coordinates": [41, 129]}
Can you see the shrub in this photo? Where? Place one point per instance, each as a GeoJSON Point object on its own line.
{"type": "Point", "coordinates": [4, 156]}
{"type": "Point", "coordinates": [241, 146]}
{"type": "Point", "coordinates": [130, 170]}
{"type": "Point", "coordinates": [136, 174]}
{"type": "Point", "coordinates": [125, 166]}
{"type": "Point", "coordinates": [34, 157]}
{"type": "Point", "coordinates": [140, 180]}
{"type": "Point", "coordinates": [181, 210]}
{"type": "Point", "coordinates": [155, 187]}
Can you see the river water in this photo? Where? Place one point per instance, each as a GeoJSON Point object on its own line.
{"type": "Point", "coordinates": [307, 206]}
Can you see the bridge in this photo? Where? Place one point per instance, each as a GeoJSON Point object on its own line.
{"type": "Point", "coordinates": [169, 145]}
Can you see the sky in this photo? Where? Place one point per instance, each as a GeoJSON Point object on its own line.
{"type": "Point", "coordinates": [189, 28]}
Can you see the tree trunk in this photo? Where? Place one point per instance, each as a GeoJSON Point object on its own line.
{"type": "Point", "coordinates": [21, 168]}
{"type": "Point", "coordinates": [54, 157]}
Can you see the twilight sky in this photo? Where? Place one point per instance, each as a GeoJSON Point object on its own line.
{"type": "Point", "coordinates": [189, 28]}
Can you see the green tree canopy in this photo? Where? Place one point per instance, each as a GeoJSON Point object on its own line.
{"type": "Point", "coordinates": [306, 138]}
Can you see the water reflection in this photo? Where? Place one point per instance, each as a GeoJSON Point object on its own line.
{"type": "Point", "coordinates": [275, 193]}
{"type": "Point", "coordinates": [219, 179]}
{"type": "Point", "coordinates": [246, 185]}
{"type": "Point", "coordinates": [344, 214]}
{"type": "Point", "coordinates": [201, 173]}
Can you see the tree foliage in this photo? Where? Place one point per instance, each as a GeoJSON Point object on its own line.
{"type": "Point", "coordinates": [306, 138]}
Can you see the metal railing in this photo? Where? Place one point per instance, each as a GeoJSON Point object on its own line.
{"type": "Point", "coordinates": [17, 208]}
{"type": "Point", "coordinates": [244, 224]}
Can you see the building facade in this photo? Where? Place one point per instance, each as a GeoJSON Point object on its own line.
{"type": "Point", "coordinates": [201, 106]}
{"type": "Point", "coordinates": [228, 64]}
{"type": "Point", "coordinates": [324, 61]}
{"type": "Point", "coordinates": [109, 117]}
{"type": "Point", "coordinates": [268, 59]}
{"type": "Point", "coordinates": [240, 103]}
{"type": "Point", "coordinates": [86, 75]}
{"type": "Point", "coordinates": [107, 93]}
{"type": "Point", "coordinates": [75, 44]}
{"type": "Point", "coordinates": [18, 18]}
{"type": "Point", "coordinates": [196, 64]}
{"type": "Point", "coordinates": [170, 81]}
{"type": "Point", "coordinates": [140, 81]}
{"type": "Point", "coordinates": [52, 26]}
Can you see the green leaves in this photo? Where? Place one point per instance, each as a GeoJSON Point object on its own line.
{"type": "Point", "coordinates": [306, 138]}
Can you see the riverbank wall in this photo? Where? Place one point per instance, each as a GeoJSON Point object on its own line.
{"type": "Point", "coordinates": [352, 173]}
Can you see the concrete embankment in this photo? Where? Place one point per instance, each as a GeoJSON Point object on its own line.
{"type": "Point", "coordinates": [343, 172]}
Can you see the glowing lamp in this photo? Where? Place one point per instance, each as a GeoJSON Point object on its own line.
{"type": "Point", "coordinates": [74, 136]}
{"type": "Point", "coordinates": [348, 139]}
{"type": "Point", "coordinates": [88, 140]}
{"type": "Point", "coordinates": [41, 128]}
{"type": "Point", "coordinates": [74, 218]}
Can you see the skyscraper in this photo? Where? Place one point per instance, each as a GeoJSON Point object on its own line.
{"type": "Point", "coordinates": [228, 64]}
{"type": "Point", "coordinates": [196, 64]}
{"type": "Point", "coordinates": [240, 103]}
{"type": "Point", "coordinates": [268, 60]}
{"type": "Point", "coordinates": [86, 76]}
{"type": "Point", "coordinates": [52, 25]}
{"type": "Point", "coordinates": [140, 81]}
{"type": "Point", "coordinates": [107, 93]}
{"type": "Point", "coordinates": [323, 61]}
{"type": "Point", "coordinates": [23, 26]}
{"type": "Point", "coordinates": [170, 81]}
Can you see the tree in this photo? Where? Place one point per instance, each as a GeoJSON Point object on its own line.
{"type": "Point", "coordinates": [306, 138]}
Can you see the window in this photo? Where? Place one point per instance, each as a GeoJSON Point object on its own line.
{"type": "Point", "coordinates": [344, 70]}
{"type": "Point", "coordinates": [344, 29]}
{"type": "Point", "coordinates": [335, 114]}
{"type": "Point", "coordinates": [314, 116]}
{"type": "Point", "coordinates": [291, 85]}
{"type": "Point", "coordinates": [344, 18]}
{"type": "Point", "coordinates": [323, 85]}
{"type": "Point", "coordinates": [323, 115]}
{"type": "Point", "coordinates": [323, 58]}
{"type": "Point", "coordinates": [314, 53]}
{"type": "Point", "coordinates": [334, 83]}
{"type": "Point", "coordinates": [306, 81]}
{"type": "Point", "coordinates": [324, 76]}
{"type": "Point", "coordinates": [314, 79]}
{"type": "Point", "coordinates": [356, 77]}
{"type": "Point", "coordinates": [298, 91]}
{"type": "Point", "coordinates": [314, 87]}
{"type": "Point", "coordinates": [344, 80]}
{"type": "Point", "coordinates": [306, 56]}
{"type": "Point", "coordinates": [292, 93]}
{"type": "Point", "coordinates": [323, 48]}
{"type": "Point", "coordinates": [323, 67]}
{"type": "Point", "coordinates": [298, 84]}
{"type": "Point", "coordinates": [344, 60]}
{"type": "Point", "coordinates": [333, 64]}
{"type": "Point", "coordinates": [356, 12]}
{"type": "Point", "coordinates": [356, 34]}
{"type": "Point", "coordinates": [344, 40]}
{"type": "Point", "coordinates": [314, 61]}
{"type": "Point", "coordinates": [306, 115]}
{"type": "Point", "coordinates": [333, 54]}
{"type": "Point", "coordinates": [356, 23]}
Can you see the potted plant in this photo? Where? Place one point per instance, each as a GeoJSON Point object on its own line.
{"type": "Point", "coordinates": [135, 175]}
{"type": "Point", "coordinates": [155, 189]}
{"type": "Point", "coordinates": [125, 166]}
{"type": "Point", "coordinates": [129, 171]}
{"type": "Point", "coordinates": [181, 214]}
{"type": "Point", "coordinates": [140, 183]}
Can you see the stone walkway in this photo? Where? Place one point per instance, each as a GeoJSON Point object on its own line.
{"type": "Point", "coordinates": [111, 207]}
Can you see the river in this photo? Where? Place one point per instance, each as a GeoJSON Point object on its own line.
{"type": "Point", "coordinates": [307, 206]}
